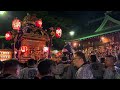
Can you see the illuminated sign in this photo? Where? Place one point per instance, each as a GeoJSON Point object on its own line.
{"type": "Point", "coordinates": [5, 54]}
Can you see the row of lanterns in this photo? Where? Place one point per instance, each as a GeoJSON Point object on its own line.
{"type": "Point", "coordinates": [16, 25]}
{"type": "Point", "coordinates": [25, 49]}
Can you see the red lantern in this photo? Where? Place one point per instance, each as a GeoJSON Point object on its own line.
{"type": "Point", "coordinates": [16, 24]}
{"type": "Point", "coordinates": [38, 23]}
{"type": "Point", "coordinates": [58, 32]}
{"type": "Point", "coordinates": [8, 36]}
{"type": "Point", "coordinates": [24, 49]}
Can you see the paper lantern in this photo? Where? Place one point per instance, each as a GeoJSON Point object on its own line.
{"type": "Point", "coordinates": [105, 39]}
{"type": "Point", "coordinates": [16, 24]}
{"type": "Point", "coordinates": [38, 23]}
{"type": "Point", "coordinates": [58, 32]}
{"type": "Point", "coordinates": [45, 49]}
{"type": "Point", "coordinates": [24, 49]}
{"type": "Point", "coordinates": [8, 36]}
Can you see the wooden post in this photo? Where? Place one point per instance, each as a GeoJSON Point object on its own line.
{"type": "Point", "coordinates": [2, 45]}
{"type": "Point", "coordinates": [14, 55]}
{"type": "Point", "coordinates": [50, 45]}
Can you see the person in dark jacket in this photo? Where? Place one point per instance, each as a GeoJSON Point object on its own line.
{"type": "Point", "coordinates": [11, 70]}
{"type": "Point", "coordinates": [71, 72]}
{"type": "Point", "coordinates": [96, 67]}
{"type": "Point", "coordinates": [44, 69]}
{"type": "Point", "coordinates": [1, 67]}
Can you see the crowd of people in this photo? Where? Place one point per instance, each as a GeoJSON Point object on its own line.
{"type": "Point", "coordinates": [104, 50]}
{"type": "Point", "coordinates": [79, 67]}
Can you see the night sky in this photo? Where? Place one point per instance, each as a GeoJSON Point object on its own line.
{"type": "Point", "coordinates": [80, 17]}
{"type": "Point", "coordinates": [83, 21]}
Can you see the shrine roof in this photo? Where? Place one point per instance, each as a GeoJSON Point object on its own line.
{"type": "Point", "coordinates": [109, 25]}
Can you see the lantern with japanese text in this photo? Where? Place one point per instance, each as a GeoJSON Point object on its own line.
{"type": "Point", "coordinates": [24, 49]}
{"type": "Point", "coordinates": [38, 23]}
{"type": "Point", "coordinates": [58, 32]}
{"type": "Point", "coordinates": [8, 36]}
{"type": "Point", "coordinates": [16, 24]}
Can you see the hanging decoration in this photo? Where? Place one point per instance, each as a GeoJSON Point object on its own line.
{"type": "Point", "coordinates": [58, 32]}
{"type": "Point", "coordinates": [38, 23]}
{"type": "Point", "coordinates": [24, 49]}
{"type": "Point", "coordinates": [45, 49]}
{"type": "Point", "coordinates": [52, 33]}
{"type": "Point", "coordinates": [16, 24]}
{"type": "Point", "coordinates": [105, 39]}
{"type": "Point", "coordinates": [8, 36]}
